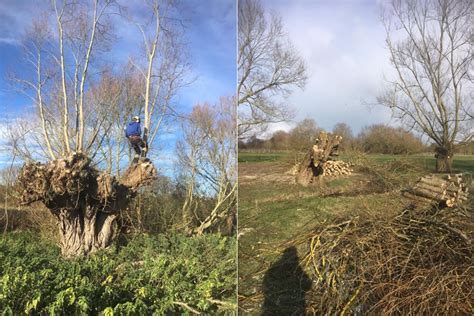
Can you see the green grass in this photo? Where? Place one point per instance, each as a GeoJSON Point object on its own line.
{"type": "Point", "coordinates": [273, 213]}
{"type": "Point", "coordinates": [251, 156]}
{"type": "Point", "coordinates": [461, 163]}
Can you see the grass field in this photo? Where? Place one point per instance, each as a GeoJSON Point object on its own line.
{"type": "Point", "coordinates": [273, 211]}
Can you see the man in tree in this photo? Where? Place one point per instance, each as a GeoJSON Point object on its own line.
{"type": "Point", "coordinates": [133, 132]}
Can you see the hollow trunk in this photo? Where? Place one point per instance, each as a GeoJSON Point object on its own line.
{"type": "Point", "coordinates": [85, 202]}
{"type": "Point", "coordinates": [308, 170]}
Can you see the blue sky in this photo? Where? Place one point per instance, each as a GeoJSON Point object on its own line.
{"type": "Point", "coordinates": [343, 44]}
{"type": "Point", "coordinates": [210, 35]}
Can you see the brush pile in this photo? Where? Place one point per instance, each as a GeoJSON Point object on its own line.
{"type": "Point", "coordinates": [418, 262]}
{"type": "Point", "coordinates": [450, 190]}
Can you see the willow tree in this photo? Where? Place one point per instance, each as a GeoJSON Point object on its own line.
{"type": "Point", "coordinates": [207, 158]}
{"type": "Point", "coordinates": [269, 68]}
{"type": "Point", "coordinates": [63, 47]}
{"type": "Point", "coordinates": [431, 48]}
{"type": "Point", "coordinates": [164, 67]}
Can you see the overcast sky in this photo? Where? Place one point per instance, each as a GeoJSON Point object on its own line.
{"type": "Point", "coordinates": [343, 44]}
{"type": "Point", "coordinates": [210, 33]}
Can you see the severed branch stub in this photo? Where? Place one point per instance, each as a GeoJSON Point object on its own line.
{"type": "Point", "coordinates": [85, 201]}
{"type": "Point", "coordinates": [319, 160]}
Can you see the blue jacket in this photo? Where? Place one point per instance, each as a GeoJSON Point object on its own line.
{"type": "Point", "coordinates": [133, 129]}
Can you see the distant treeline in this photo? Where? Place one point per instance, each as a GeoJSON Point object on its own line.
{"type": "Point", "coordinates": [377, 138]}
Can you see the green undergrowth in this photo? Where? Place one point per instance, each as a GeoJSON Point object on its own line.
{"type": "Point", "coordinates": [141, 275]}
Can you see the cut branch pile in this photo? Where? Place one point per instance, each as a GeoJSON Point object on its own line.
{"type": "Point", "coordinates": [320, 160]}
{"type": "Point", "coordinates": [85, 201]}
{"type": "Point", "coordinates": [448, 191]}
{"type": "Point", "coordinates": [418, 262]}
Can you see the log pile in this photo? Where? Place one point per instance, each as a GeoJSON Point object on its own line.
{"type": "Point", "coordinates": [336, 168]}
{"type": "Point", "coordinates": [320, 160]}
{"type": "Point", "coordinates": [448, 191]}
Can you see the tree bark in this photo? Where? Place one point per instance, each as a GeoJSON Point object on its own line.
{"type": "Point", "coordinates": [446, 191]}
{"type": "Point", "coordinates": [85, 202]}
{"type": "Point", "coordinates": [312, 166]}
{"type": "Point", "coordinates": [444, 159]}
{"type": "Point", "coordinates": [308, 170]}
{"type": "Point", "coordinates": [444, 162]}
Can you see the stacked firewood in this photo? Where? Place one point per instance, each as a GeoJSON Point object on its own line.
{"type": "Point", "coordinates": [319, 160]}
{"type": "Point", "coordinates": [449, 190]}
{"type": "Point", "coordinates": [336, 168]}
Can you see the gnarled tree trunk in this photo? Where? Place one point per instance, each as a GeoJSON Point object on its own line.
{"type": "Point", "coordinates": [325, 147]}
{"type": "Point", "coordinates": [85, 202]}
{"type": "Point", "coordinates": [444, 160]}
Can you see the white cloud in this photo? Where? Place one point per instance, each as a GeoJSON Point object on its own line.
{"type": "Point", "coordinates": [10, 41]}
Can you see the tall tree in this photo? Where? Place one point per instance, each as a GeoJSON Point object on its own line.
{"type": "Point", "coordinates": [431, 48]}
{"type": "Point", "coordinates": [269, 68]}
{"type": "Point", "coordinates": [345, 131]}
{"type": "Point", "coordinates": [208, 155]}
{"type": "Point", "coordinates": [74, 113]}
{"type": "Point", "coordinates": [165, 67]}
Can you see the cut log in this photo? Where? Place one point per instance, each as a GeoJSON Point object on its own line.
{"type": "Point", "coordinates": [449, 191]}
{"type": "Point", "coordinates": [85, 202]}
{"type": "Point", "coordinates": [336, 168]}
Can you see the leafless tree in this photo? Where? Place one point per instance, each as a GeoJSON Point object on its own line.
{"type": "Point", "coordinates": [166, 66]}
{"type": "Point", "coordinates": [304, 134]}
{"type": "Point", "coordinates": [431, 48]}
{"type": "Point", "coordinates": [74, 118]}
{"type": "Point", "coordinates": [120, 96]}
{"type": "Point", "coordinates": [269, 68]}
{"type": "Point", "coordinates": [208, 156]}
{"type": "Point", "coordinates": [62, 47]}
{"type": "Point", "coordinates": [345, 131]}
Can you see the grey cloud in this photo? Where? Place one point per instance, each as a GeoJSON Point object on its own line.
{"type": "Point", "coordinates": [343, 45]}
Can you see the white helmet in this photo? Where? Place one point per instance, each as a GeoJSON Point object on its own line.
{"type": "Point", "coordinates": [136, 118]}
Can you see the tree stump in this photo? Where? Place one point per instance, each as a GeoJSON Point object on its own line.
{"type": "Point", "coordinates": [85, 201]}
{"type": "Point", "coordinates": [325, 148]}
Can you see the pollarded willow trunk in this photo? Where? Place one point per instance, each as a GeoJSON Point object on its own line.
{"type": "Point", "coordinates": [312, 166]}
{"type": "Point", "coordinates": [308, 170]}
{"type": "Point", "coordinates": [444, 160]}
{"type": "Point", "coordinates": [85, 231]}
{"type": "Point", "coordinates": [85, 202]}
